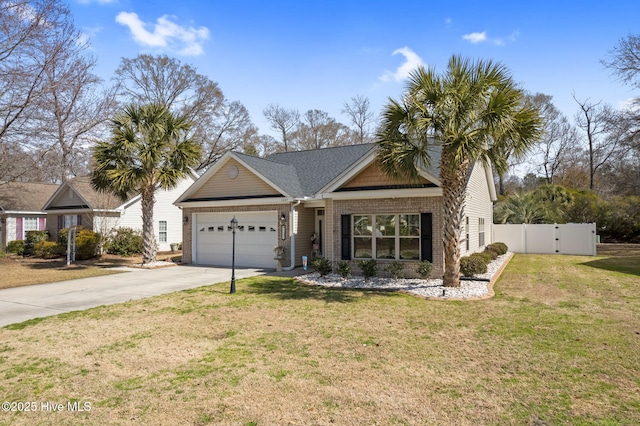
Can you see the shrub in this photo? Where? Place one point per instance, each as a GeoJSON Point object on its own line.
{"type": "Point", "coordinates": [125, 242]}
{"type": "Point", "coordinates": [484, 255]}
{"type": "Point", "coordinates": [16, 247]}
{"type": "Point", "coordinates": [47, 249]}
{"type": "Point", "coordinates": [322, 266]}
{"type": "Point", "coordinates": [493, 255]}
{"type": "Point", "coordinates": [424, 269]}
{"type": "Point", "coordinates": [86, 242]}
{"type": "Point", "coordinates": [472, 265]}
{"type": "Point", "coordinates": [395, 269]}
{"type": "Point", "coordinates": [344, 269]}
{"type": "Point", "coordinates": [500, 248]}
{"type": "Point", "coordinates": [32, 238]}
{"type": "Point", "coordinates": [369, 268]}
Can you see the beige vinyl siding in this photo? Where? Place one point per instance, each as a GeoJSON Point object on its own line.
{"type": "Point", "coordinates": [478, 205]}
{"type": "Point", "coordinates": [305, 226]}
{"type": "Point", "coordinates": [372, 176]}
{"type": "Point", "coordinates": [66, 198]}
{"type": "Point", "coordinates": [246, 183]}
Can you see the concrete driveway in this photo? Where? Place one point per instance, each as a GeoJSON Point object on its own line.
{"type": "Point", "coordinates": [23, 303]}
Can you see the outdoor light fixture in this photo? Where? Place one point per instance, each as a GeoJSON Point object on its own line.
{"type": "Point", "coordinates": [186, 219]}
{"type": "Point", "coordinates": [283, 228]}
{"type": "Point", "coordinates": [234, 226]}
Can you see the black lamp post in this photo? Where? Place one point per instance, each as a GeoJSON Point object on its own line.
{"type": "Point", "coordinates": [234, 226]}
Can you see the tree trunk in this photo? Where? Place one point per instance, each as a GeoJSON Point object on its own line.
{"type": "Point", "coordinates": [453, 199]}
{"type": "Point", "coordinates": [149, 250]}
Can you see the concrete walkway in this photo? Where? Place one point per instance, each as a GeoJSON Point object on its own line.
{"type": "Point", "coordinates": [23, 303]}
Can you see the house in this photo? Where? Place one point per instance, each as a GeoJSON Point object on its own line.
{"type": "Point", "coordinates": [77, 203]}
{"type": "Point", "coordinates": [332, 202]}
{"type": "Point", "coordinates": [21, 209]}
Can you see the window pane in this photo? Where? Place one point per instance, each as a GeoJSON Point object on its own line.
{"type": "Point", "coordinates": [410, 248]}
{"type": "Point", "coordinates": [362, 225]}
{"type": "Point", "coordinates": [409, 225]}
{"type": "Point", "coordinates": [70, 220]}
{"type": "Point", "coordinates": [362, 247]}
{"type": "Point", "coordinates": [385, 248]}
{"type": "Point", "coordinates": [386, 225]}
{"type": "Point", "coordinates": [162, 225]}
{"type": "Point", "coordinates": [30, 224]}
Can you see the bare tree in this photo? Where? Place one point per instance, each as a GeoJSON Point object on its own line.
{"type": "Point", "coordinates": [595, 120]}
{"type": "Point", "coordinates": [218, 125]}
{"type": "Point", "coordinates": [625, 60]}
{"type": "Point", "coordinates": [282, 120]}
{"type": "Point", "coordinates": [34, 36]}
{"type": "Point", "coordinates": [558, 137]}
{"type": "Point", "coordinates": [361, 116]}
{"type": "Point", "coordinates": [318, 130]}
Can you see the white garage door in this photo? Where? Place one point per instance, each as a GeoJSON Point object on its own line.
{"type": "Point", "coordinates": [256, 236]}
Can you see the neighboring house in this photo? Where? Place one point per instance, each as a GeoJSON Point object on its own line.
{"type": "Point", "coordinates": [77, 203]}
{"type": "Point", "coordinates": [21, 209]}
{"type": "Point", "coordinates": [338, 195]}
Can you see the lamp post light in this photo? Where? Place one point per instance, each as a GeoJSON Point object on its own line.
{"type": "Point", "coordinates": [234, 226]}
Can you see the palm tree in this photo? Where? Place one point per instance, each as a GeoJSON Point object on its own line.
{"type": "Point", "coordinates": [149, 149]}
{"type": "Point", "coordinates": [472, 112]}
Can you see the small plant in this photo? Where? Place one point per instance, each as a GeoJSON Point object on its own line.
{"type": "Point", "coordinates": [500, 248]}
{"type": "Point", "coordinates": [86, 242]}
{"type": "Point", "coordinates": [395, 269]}
{"type": "Point", "coordinates": [492, 254]}
{"type": "Point", "coordinates": [344, 269]}
{"type": "Point", "coordinates": [322, 266]}
{"type": "Point", "coordinates": [472, 265]}
{"type": "Point", "coordinates": [424, 269]}
{"type": "Point", "coordinates": [47, 249]}
{"type": "Point", "coordinates": [369, 268]}
{"type": "Point", "coordinates": [32, 238]}
{"type": "Point", "coordinates": [16, 246]}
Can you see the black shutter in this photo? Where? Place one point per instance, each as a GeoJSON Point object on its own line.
{"type": "Point", "coordinates": [426, 237]}
{"type": "Point", "coordinates": [60, 222]}
{"type": "Point", "coordinates": [345, 236]}
{"type": "Point", "coordinates": [79, 220]}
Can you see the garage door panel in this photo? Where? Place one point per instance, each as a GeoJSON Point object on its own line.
{"type": "Point", "coordinates": [255, 238]}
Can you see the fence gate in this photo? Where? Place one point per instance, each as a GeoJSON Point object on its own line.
{"type": "Point", "coordinates": [570, 238]}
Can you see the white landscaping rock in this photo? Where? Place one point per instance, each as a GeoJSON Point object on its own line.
{"type": "Point", "coordinates": [431, 288]}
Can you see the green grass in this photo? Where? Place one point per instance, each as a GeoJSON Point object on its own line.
{"type": "Point", "coordinates": [558, 344]}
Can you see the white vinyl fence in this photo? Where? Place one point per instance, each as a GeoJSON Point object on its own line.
{"type": "Point", "coordinates": [571, 238]}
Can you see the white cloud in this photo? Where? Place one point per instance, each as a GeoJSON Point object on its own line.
{"type": "Point", "coordinates": [166, 34]}
{"type": "Point", "coordinates": [447, 22]}
{"type": "Point", "coordinates": [475, 37]}
{"type": "Point", "coordinates": [412, 61]}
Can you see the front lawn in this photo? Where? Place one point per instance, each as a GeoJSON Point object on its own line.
{"type": "Point", "coordinates": [558, 344]}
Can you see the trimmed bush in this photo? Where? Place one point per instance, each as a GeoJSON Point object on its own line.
{"type": "Point", "coordinates": [86, 242]}
{"type": "Point", "coordinates": [125, 242]}
{"type": "Point", "coordinates": [32, 238]}
{"type": "Point", "coordinates": [472, 265]}
{"type": "Point", "coordinates": [395, 269]}
{"type": "Point", "coordinates": [424, 269]}
{"type": "Point", "coordinates": [368, 268]}
{"type": "Point", "coordinates": [15, 246]}
{"type": "Point", "coordinates": [322, 266]}
{"type": "Point", "coordinates": [344, 269]}
{"type": "Point", "coordinates": [500, 248]}
{"type": "Point", "coordinates": [47, 249]}
{"type": "Point", "coordinates": [492, 254]}
{"type": "Point", "coordinates": [484, 255]}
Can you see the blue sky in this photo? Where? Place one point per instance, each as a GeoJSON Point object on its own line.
{"type": "Point", "coordinates": [318, 54]}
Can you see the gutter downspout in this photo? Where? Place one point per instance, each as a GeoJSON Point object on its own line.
{"type": "Point", "coordinates": [293, 240]}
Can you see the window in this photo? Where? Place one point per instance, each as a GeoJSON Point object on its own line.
{"type": "Point", "coordinates": [466, 228]}
{"type": "Point", "coordinates": [162, 231]}
{"type": "Point", "coordinates": [29, 224]}
{"type": "Point", "coordinates": [69, 220]}
{"type": "Point", "coordinates": [395, 237]}
{"type": "Point", "coordinates": [480, 231]}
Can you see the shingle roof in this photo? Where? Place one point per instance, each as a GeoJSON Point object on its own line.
{"type": "Point", "coordinates": [97, 200]}
{"type": "Point", "coordinates": [25, 196]}
{"type": "Point", "coordinates": [316, 168]}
